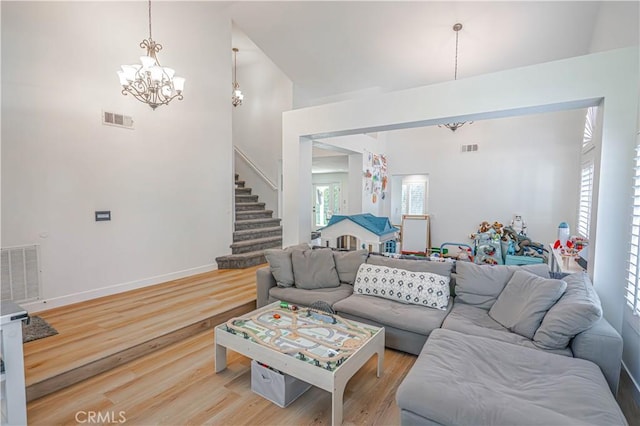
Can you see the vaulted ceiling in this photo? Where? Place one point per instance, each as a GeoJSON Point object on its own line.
{"type": "Point", "coordinates": [329, 48]}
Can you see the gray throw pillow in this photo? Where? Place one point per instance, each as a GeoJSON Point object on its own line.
{"type": "Point", "coordinates": [524, 302]}
{"type": "Point", "coordinates": [347, 264]}
{"type": "Point", "coordinates": [280, 264]}
{"type": "Point", "coordinates": [480, 285]}
{"type": "Point", "coordinates": [576, 311]}
{"type": "Point", "coordinates": [314, 269]}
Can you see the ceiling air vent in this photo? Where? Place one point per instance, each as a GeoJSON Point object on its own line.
{"type": "Point", "coordinates": [470, 148]}
{"type": "Point", "coordinates": [118, 120]}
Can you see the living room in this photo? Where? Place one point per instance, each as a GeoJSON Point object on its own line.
{"type": "Point", "coordinates": [166, 180]}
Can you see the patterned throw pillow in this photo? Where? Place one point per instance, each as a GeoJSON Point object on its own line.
{"type": "Point", "coordinates": [416, 288]}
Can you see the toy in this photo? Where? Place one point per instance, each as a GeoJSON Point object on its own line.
{"type": "Point", "coordinates": [498, 227]}
{"type": "Point", "coordinates": [518, 224]}
{"type": "Point", "coordinates": [276, 316]}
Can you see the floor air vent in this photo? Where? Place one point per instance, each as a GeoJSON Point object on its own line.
{"type": "Point", "coordinates": [118, 120]}
{"type": "Point", "coordinates": [470, 148]}
{"type": "Point", "coordinates": [20, 274]}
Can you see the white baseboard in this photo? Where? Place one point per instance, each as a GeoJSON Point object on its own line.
{"type": "Point", "coordinates": [56, 302]}
{"type": "Point", "coordinates": [636, 391]}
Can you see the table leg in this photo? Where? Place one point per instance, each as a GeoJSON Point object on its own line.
{"type": "Point", "coordinates": [336, 404]}
{"type": "Point", "coordinates": [220, 358]}
{"type": "Point", "coordinates": [380, 361]}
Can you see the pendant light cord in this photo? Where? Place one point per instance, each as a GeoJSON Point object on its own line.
{"type": "Point", "coordinates": [455, 73]}
{"type": "Point", "coordinates": [150, 20]}
{"type": "Point", "coordinates": [235, 66]}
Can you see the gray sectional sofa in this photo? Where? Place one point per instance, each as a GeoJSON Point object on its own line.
{"type": "Point", "coordinates": [511, 346]}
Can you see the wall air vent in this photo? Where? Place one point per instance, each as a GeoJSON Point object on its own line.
{"type": "Point", "coordinates": [470, 148]}
{"type": "Point", "coordinates": [118, 120]}
{"type": "Point", "coordinates": [20, 277]}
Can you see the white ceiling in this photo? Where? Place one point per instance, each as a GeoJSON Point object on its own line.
{"type": "Point", "coordinates": [337, 49]}
{"type": "Point", "coordinates": [329, 48]}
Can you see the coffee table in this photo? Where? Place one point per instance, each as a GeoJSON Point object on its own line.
{"type": "Point", "coordinates": [305, 344]}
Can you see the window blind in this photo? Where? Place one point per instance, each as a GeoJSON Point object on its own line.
{"type": "Point", "coordinates": [632, 294]}
{"type": "Point", "coordinates": [589, 127]}
{"type": "Point", "coordinates": [586, 191]}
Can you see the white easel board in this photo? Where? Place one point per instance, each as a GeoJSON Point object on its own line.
{"type": "Point", "coordinates": [416, 234]}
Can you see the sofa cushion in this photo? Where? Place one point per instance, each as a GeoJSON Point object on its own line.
{"type": "Point", "coordinates": [417, 288]}
{"type": "Point", "coordinates": [280, 264]}
{"type": "Point", "coordinates": [468, 380]}
{"type": "Point", "coordinates": [347, 264]}
{"type": "Point", "coordinates": [314, 269]}
{"type": "Point", "coordinates": [476, 321]}
{"type": "Point", "coordinates": [414, 318]}
{"type": "Point", "coordinates": [480, 285]}
{"type": "Point", "coordinates": [524, 302]}
{"type": "Point", "coordinates": [576, 311]}
{"type": "Point", "coordinates": [302, 297]}
{"type": "Point", "coordinates": [440, 268]}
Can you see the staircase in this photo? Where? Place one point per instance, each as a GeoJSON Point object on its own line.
{"type": "Point", "coordinates": [255, 231]}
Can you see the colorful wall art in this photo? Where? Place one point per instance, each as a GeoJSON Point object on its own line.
{"type": "Point", "coordinates": [375, 180]}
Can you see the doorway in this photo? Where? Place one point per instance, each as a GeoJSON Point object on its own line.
{"type": "Point", "coordinates": [326, 202]}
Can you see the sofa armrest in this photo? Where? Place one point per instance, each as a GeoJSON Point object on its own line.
{"type": "Point", "coordinates": [602, 345]}
{"type": "Point", "coordinates": [264, 282]}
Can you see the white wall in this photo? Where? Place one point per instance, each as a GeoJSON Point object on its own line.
{"type": "Point", "coordinates": [528, 165]}
{"type": "Point", "coordinates": [355, 184]}
{"type": "Point", "coordinates": [168, 183]}
{"type": "Point", "coordinates": [257, 123]}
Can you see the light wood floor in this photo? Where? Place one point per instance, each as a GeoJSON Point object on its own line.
{"type": "Point", "coordinates": [100, 334]}
{"type": "Point", "coordinates": [176, 384]}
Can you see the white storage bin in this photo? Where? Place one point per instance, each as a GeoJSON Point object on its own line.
{"type": "Point", "coordinates": [281, 389]}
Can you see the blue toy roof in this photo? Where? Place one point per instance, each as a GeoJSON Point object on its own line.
{"type": "Point", "coordinates": [375, 224]}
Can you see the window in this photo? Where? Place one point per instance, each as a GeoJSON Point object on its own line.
{"type": "Point", "coordinates": [413, 198]}
{"type": "Point", "coordinates": [632, 293]}
{"type": "Point", "coordinates": [586, 191]}
{"type": "Point", "coordinates": [586, 173]}
{"type": "Point", "coordinates": [589, 126]}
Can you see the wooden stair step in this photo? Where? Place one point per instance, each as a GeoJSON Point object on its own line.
{"type": "Point", "coordinates": [240, 183]}
{"type": "Point", "coordinates": [100, 334]}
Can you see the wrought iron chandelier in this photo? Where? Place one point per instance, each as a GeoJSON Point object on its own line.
{"type": "Point", "coordinates": [150, 82]}
{"type": "Point", "coordinates": [456, 125]}
{"type": "Point", "coordinates": [236, 94]}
